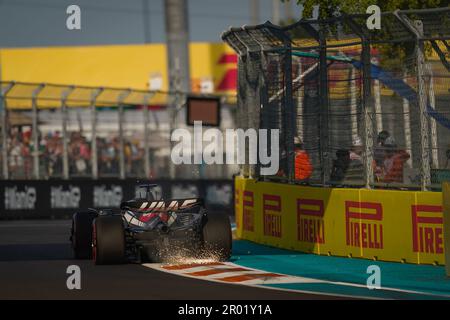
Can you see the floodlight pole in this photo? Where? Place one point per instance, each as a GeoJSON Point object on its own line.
{"type": "Point", "coordinates": [287, 10]}
{"type": "Point", "coordinates": [276, 12]}
{"type": "Point", "coordinates": [254, 12]}
{"type": "Point", "coordinates": [94, 154]}
{"type": "Point", "coordinates": [177, 34]}
{"type": "Point", "coordinates": [34, 129]}
{"type": "Point", "coordinates": [3, 94]}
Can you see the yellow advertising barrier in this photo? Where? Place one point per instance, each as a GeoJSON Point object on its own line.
{"type": "Point", "coordinates": [446, 201]}
{"type": "Point", "coordinates": [388, 225]}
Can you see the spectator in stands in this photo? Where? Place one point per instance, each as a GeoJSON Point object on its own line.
{"type": "Point", "coordinates": [134, 155]}
{"type": "Point", "coordinates": [79, 154]}
{"type": "Point", "coordinates": [15, 155]}
{"type": "Point", "coordinates": [355, 169]}
{"type": "Point", "coordinates": [101, 146]}
{"type": "Point", "coordinates": [447, 155]}
{"type": "Point", "coordinates": [85, 151]}
{"type": "Point", "coordinates": [357, 149]}
{"type": "Point", "coordinates": [283, 164]}
{"type": "Point", "coordinates": [114, 153]}
{"type": "Point", "coordinates": [109, 156]}
{"type": "Point", "coordinates": [27, 151]}
{"type": "Point", "coordinates": [340, 165]}
{"type": "Point", "coordinates": [349, 166]}
{"type": "Point", "coordinates": [303, 167]}
{"type": "Point", "coordinates": [379, 155]}
{"type": "Point", "coordinates": [393, 163]}
{"type": "Point", "coordinates": [302, 164]}
{"type": "Point", "coordinates": [53, 153]}
{"type": "Point", "coordinates": [378, 152]}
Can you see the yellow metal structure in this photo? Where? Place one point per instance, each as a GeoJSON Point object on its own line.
{"type": "Point", "coordinates": [115, 66]}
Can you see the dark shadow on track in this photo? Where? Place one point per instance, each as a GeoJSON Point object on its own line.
{"type": "Point", "coordinates": [35, 252]}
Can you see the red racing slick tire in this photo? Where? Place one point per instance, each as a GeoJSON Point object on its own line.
{"type": "Point", "coordinates": [108, 240]}
{"type": "Point", "coordinates": [217, 239]}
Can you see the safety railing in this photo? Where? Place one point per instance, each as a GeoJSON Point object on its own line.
{"type": "Point", "coordinates": [60, 131]}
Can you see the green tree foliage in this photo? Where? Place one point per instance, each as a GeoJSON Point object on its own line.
{"type": "Point", "coordinates": [393, 54]}
{"type": "Point", "coordinates": [330, 8]}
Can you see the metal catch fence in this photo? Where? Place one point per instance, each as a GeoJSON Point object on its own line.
{"type": "Point", "coordinates": [369, 108]}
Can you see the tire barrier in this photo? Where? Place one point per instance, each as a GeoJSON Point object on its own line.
{"type": "Point", "coordinates": [27, 199]}
{"type": "Point", "coordinates": [387, 225]}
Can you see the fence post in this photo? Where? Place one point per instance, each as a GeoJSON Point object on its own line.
{"type": "Point", "coordinates": [324, 107]}
{"type": "Point", "coordinates": [147, 98]}
{"type": "Point", "coordinates": [35, 132]}
{"type": "Point", "coordinates": [258, 119]}
{"type": "Point", "coordinates": [353, 102]}
{"type": "Point", "coordinates": [367, 103]}
{"type": "Point", "coordinates": [120, 101]}
{"type": "Point", "coordinates": [290, 118]}
{"type": "Point", "coordinates": [299, 114]}
{"type": "Point", "coordinates": [64, 97]}
{"type": "Point", "coordinates": [242, 107]}
{"type": "Point", "coordinates": [433, 127]}
{"type": "Point", "coordinates": [3, 94]}
{"type": "Point", "coordinates": [377, 101]}
{"type": "Point", "coordinates": [425, 152]}
{"type": "Point", "coordinates": [407, 124]}
{"type": "Point", "coordinates": [416, 29]}
{"type": "Point", "coordinates": [368, 115]}
{"type": "Point", "coordinates": [178, 102]}
{"type": "Point", "coordinates": [247, 98]}
{"type": "Point", "coordinates": [94, 154]}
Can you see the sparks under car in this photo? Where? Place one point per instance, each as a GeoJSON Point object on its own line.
{"type": "Point", "coordinates": [150, 230]}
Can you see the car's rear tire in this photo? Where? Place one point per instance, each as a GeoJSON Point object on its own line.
{"type": "Point", "coordinates": [109, 240]}
{"type": "Point", "coordinates": [81, 235]}
{"type": "Point", "coordinates": [217, 239]}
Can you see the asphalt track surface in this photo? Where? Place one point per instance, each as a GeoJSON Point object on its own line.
{"type": "Point", "coordinates": [34, 256]}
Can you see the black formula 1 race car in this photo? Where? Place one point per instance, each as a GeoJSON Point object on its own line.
{"type": "Point", "coordinates": [151, 230]}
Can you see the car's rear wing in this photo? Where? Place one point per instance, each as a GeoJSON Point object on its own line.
{"type": "Point", "coordinates": [143, 205]}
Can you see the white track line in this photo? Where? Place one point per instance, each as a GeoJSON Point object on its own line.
{"type": "Point", "coordinates": [158, 267]}
{"type": "Point", "coordinates": [258, 282]}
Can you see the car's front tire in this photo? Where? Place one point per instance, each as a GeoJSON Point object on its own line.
{"type": "Point", "coordinates": [217, 239]}
{"type": "Point", "coordinates": [108, 240]}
